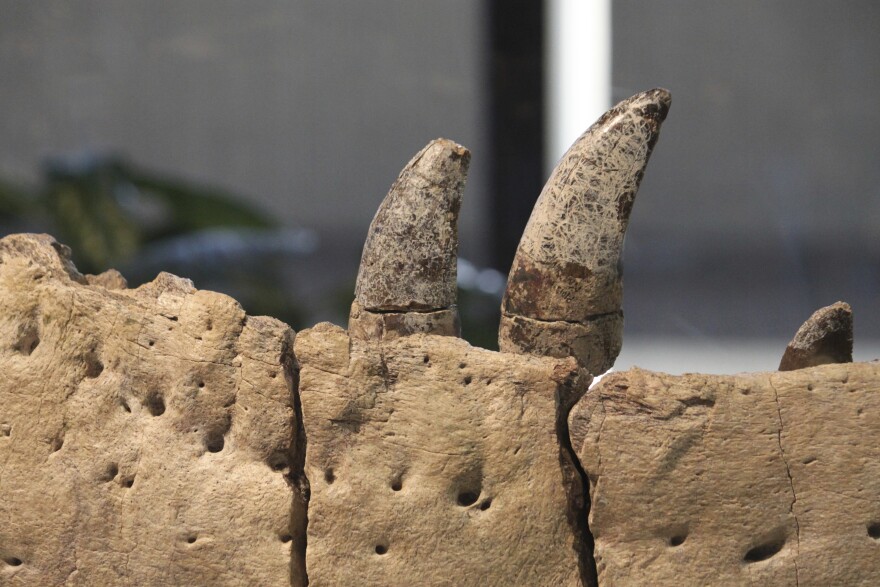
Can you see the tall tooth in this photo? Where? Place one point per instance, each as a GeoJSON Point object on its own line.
{"type": "Point", "coordinates": [407, 277]}
{"type": "Point", "coordinates": [565, 291]}
{"type": "Point", "coordinates": [826, 337]}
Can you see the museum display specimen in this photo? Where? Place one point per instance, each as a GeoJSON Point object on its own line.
{"type": "Point", "coordinates": [159, 435]}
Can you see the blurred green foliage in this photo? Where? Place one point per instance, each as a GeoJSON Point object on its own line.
{"type": "Point", "coordinates": [115, 214]}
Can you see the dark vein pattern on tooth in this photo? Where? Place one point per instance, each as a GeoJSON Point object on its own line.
{"type": "Point", "coordinates": [826, 337]}
{"type": "Point", "coordinates": [566, 268]}
{"type": "Point", "coordinates": [409, 258]}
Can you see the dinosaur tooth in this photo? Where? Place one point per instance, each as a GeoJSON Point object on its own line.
{"type": "Point", "coordinates": [565, 290]}
{"type": "Point", "coordinates": [826, 337]}
{"type": "Point", "coordinates": [407, 277]}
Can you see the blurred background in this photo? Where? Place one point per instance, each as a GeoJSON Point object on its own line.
{"type": "Point", "coordinates": [247, 146]}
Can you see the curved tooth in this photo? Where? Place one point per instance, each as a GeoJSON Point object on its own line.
{"type": "Point", "coordinates": [407, 277]}
{"type": "Point", "coordinates": [564, 292]}
{"type": "Point", "coordinates": [826, 337]}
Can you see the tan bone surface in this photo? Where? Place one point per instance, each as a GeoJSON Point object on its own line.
{"type": "Point", "coordinates": [160, 436]}
{"type": "Point", "coordinates": [144, 434]}
{"type": "Point", "coordinates": [754, 479]}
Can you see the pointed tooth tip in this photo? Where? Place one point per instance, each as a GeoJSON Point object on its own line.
{"type": "Point", "coordinates": [842, 306]}
{"type": "Point", "coordinates": [451, 146]}
{"type": "Point", "coordinates": [440, 149]}
{"type": "Point", "coordinates": [653, 103]}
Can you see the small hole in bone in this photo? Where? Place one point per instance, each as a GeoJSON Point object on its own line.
{"type": "Point", "coordinates": [397, 484]}
{"type": "Point", "coordinates": [57, 443]}
{"type": "Point", "coordinates": [764, 551]}
{"type": "Point", "coordinates": [809, 387]}
{"type": "Point", "coordinates": [426, 359]}
{"type": "Point", "coordinates": [874, 530]}
{"type": "Point", "coordinates": [151, 343]}
{"type": "Point", "coordinates": [329, 476]}
{"type": "Point", "coordinates": [462, 365]}
{"type": "Point", "coordinates": [110, 473]}
{"type": "Point", "coordinates": [677, 540]}
{"type": "Point", "coordinates": [487, 503]}
{"type": "Point", "coordinates": [124, 404]}
{"type": "Point", "coordinates": [809, 460]}
{"type": "Point", "coordinates": [215, 442]}
{"type": "Point", "coordinates": [285, 538]}
{"type": "Point", "coordinates": [201, 384]}
{"type": "Point", "coordinates": [12, 561]}
{"type": "Point", "coordinates": [155, 404]}
{"type": "Point", "coordinates": [5, 430]}
{"type": "Point", "coordinates": [128, 483]}
{"type": "Point", "coordinates": [191, 539]}
{"type": "Point", "coordinates": [94, 366]}
{"type": "Point", "coordinates": [467, 498]}
{"type": "Point", "coordinates": [468, 380]}
{"type": "Point", "coordinates": [381, 549]}
{"type": "Point", "coordinates": [28, 340]}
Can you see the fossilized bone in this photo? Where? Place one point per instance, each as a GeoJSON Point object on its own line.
{"type": "Point", "coordinates": [160, 436]}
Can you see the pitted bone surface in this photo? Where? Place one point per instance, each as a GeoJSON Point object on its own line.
{"type": "Point", "coordinates": [435, 463]}
{"type": "Point", "coordinates": [144, 433]}
{"type": "Point", "coordinates": [754, 479]}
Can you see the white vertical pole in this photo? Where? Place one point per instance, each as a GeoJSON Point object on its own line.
{"type": "Point", "coordinates": [578, 71]}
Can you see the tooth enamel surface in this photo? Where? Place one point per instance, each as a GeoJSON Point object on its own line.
{"type": "Point", "coordinates": [826, 337]}
{"type": "Point", "coordinates": [566, 273]}
{"type": "Point", "coordinates": [409, 258]}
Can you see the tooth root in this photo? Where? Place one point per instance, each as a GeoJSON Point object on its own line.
{"type": "Point", "coordinates": [564, 292]}
{"type": "Point", "coordinates": [407, 277]}
{"type": "Point", "coordinates": [826, 337]}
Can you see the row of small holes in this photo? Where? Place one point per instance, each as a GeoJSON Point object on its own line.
{"type": "Point", "coordinates": [464, 499]}
{"type": "Point", "coordinates": [765, 551]}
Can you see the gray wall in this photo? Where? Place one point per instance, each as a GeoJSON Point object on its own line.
{"type": "Point", "coordinates": [762, 200]}
{"type": "Point", "coordinates": [309, 107]}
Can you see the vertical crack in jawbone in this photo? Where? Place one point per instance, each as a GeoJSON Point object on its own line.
{"type": "Point", "coordinates": [577, 488]}
{"type": "Point", "coordinates": [797, 525]}
{"type": "Point", "coordinates": [299, 483]}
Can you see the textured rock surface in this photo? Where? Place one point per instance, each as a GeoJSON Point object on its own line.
{"type": "Point", "coordinates": [826, 337]}
{"type": "Point", "coordinates": [759, 479]}
{"type": "Point", "coordinates": [144, 434]}
{"type": "Point", "coordinates": [566, 271]}
{"type": "Point", "coordinates": [435, 463]}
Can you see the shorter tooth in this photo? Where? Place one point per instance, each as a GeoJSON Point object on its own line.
{"type": "Point", "coordinates": [407, 277]}
{"type": "Point", "coordinates": [826, 337]}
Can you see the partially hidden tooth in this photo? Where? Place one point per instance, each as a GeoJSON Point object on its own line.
{"type": "Point", "coordinates": [407, 277]}
{"type": "Point", "coordinates": [826, 337]}
{"type": "Point", "coordinates": [565, 291]}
